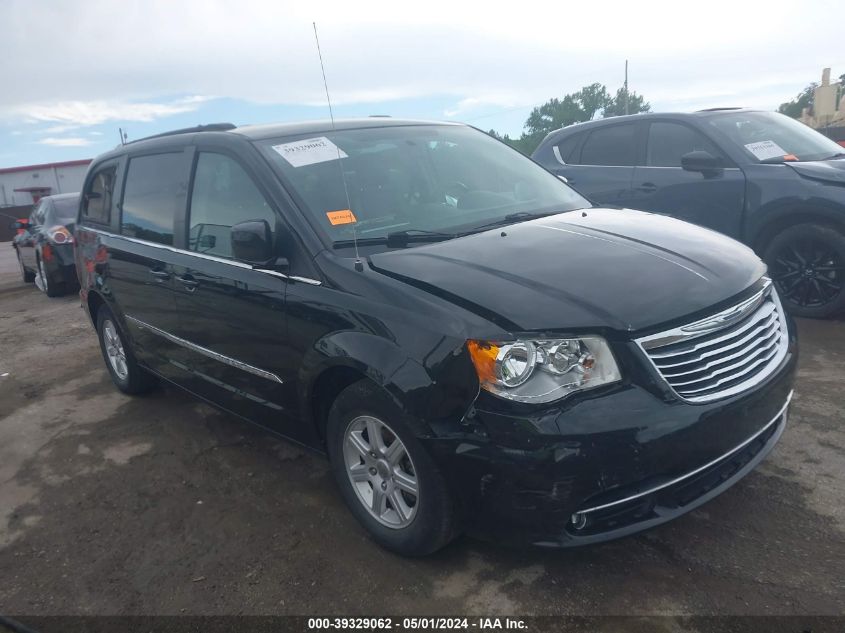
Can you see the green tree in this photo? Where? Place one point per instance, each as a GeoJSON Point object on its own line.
{"type": "Point", "coordinates": [804, 99]}
{"type": "Point", "coordinates": [573, 108]}
{"type": "Point", "coordinates": [519, 144]}
{"type": "Point", "coordinates": [616, 105]}
{"type": "Point", "coordinates": [584, 105]}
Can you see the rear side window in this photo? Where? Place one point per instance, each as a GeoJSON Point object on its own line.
{"type": "Point", "coordinates": [612, 145]}
{"type": "Point", "coordinates": [152, 196]}
{"type": "Point", "coordinates": [98, 197]}
{"type": "Point", "coordinates": [223, 195]}
{"type": "Point", "coordinates": [667, 142]}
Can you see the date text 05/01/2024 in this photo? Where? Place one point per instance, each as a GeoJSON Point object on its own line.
{"type": "Point", "coordinates": [415, 624]}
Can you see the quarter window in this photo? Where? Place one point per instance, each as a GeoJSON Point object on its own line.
{"type": "Point", "coordinates": [223, 195]}
{"type": "Point", "coordinates": [98, 199]}
{"type": "Point", "coordinates": [612, 145]}
{"type": "Point", "coordinates": [152, 197]}
{"type": "Point", "coordinates": [566, 148]}
{"type": "Point", "coordinates": [667, 142]}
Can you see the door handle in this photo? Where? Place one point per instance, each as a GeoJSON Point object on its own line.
{"type": "Point", "coordinates": [188, 282]}
{"type": "Point", "coordinates": [160, 275]}
{"type": "Point", "coordinates": [647, 187]}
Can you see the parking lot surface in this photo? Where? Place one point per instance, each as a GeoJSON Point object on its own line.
{"type": "Point", "coordinates": [162, 505]}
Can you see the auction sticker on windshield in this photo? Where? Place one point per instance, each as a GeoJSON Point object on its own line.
{"type": "Point", "coordinates": [763, 150]}
{"type": "Point", "coordinates": [309, 151]}
{"type": "Point", "coordinates": [342, 216]}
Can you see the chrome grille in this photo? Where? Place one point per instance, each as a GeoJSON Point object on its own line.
{"type": "Point", "coordinates": [725, 353]}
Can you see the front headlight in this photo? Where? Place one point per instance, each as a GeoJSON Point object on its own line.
{"type": "Point", "coordinates": [543, 370]}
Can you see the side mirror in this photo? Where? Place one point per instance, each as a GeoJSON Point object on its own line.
{"type": "Point", "coordinates": [252, 242]}
{"type": "Point", "coordinates": [700, 160]}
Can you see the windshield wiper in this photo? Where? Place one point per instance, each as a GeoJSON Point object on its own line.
{"type": "Point", "coordinates": [511, 218]}
{"type": "Point", "coordinates": [399, 239]}
{"type": "Point", "coordinates": [403, 238]}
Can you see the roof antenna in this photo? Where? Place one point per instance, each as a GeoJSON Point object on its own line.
{"type": "Point", "coordinates": [122, 135]}
{"type": "Point", "coordinates": [359, 265]}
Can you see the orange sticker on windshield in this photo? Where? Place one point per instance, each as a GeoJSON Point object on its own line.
{"type": "Point", "coordinates": [343, 216]}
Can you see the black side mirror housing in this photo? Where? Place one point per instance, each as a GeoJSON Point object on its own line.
{"type": "Point", "coordinates": [252, 242]}
{"type": "Point", "coordinates": [702, 161]}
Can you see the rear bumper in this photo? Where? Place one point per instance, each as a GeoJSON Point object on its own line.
{"type": "Point", "coordinates": [611, 465]}
{"type": "Point", "coordinates": [60, 266]}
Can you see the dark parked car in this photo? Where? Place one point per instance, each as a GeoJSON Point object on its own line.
{"type": "Point", "coordinates": [760, 177]}
{"type": "Point", "coordinates": [474, 346]}
{"type": "Point", "coordinates": [44, 244]}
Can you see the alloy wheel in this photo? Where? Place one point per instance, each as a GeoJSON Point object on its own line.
{"type": "Point", "coordinates": [808, 273]}
{"type": "Point", "coordinates": [114, 350]}
{"type": "Point", "coordinates": [381, 471]}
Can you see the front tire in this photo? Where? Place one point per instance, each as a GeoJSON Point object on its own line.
{"type": "Point", "coordinates": [807, 264]}
{"type": "Point", "coordinates": [385, 475]}
{"type": "Point", "coordinates": [125, 372]}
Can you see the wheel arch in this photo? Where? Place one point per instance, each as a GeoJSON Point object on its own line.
{"type": "Point", "coordinates": [343, 358]}
{"type": "Point", "coordinates": [94, 301]}
{"type": "Point", "coordinates": [787, 218]}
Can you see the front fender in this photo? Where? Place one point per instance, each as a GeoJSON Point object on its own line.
{"type": "Point", "coordinates": [434, 395]}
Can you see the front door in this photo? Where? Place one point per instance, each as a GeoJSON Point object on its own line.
{"type": "Point", "coordinates": [714, 200]}
{"type": "Point", "coordinates": [232, 316]}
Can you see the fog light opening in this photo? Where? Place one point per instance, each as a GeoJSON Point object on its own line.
{"type": "Point", "coordinates": [578, 520]}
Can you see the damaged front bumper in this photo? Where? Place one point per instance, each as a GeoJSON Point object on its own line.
{"type": "Point", "coordinates": [609, 465]}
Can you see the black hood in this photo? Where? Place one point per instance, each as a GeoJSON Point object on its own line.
{"type": "Point", "coordinates": [832, 171]}
{"type": "Point", "coordinates": [599, 268]}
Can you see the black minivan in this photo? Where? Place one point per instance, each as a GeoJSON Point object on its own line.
{"type": "Point", "coordinates": [475, 346]}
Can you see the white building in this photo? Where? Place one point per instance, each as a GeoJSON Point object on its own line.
{"type": "Point", "coordinates": [26, 185]}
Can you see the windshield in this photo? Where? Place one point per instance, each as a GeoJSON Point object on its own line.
{"type": "Point", "coordinates": [64, 210]}
{"type": "Point", "coordinates": [427, 178]}
{"type": "Point", "coordinates": [769, 137]}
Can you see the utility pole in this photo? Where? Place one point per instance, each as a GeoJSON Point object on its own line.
{"type": "Point", "coordinates": [626, 86]}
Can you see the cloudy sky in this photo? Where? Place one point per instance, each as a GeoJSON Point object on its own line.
{"type": "Point", "coordinates": [72, 72]}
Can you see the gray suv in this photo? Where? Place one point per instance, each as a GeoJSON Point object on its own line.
{"type": "Point", "coordinates": [760, 177]}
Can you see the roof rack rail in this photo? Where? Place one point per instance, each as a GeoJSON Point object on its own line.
{"type": "Point", "coordinates": [718, 109]}
{"type": "Point", "coordinates": [210, 127]}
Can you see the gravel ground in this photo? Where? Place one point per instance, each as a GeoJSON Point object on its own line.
{"type": "Point", "coordinates": [162, 505]}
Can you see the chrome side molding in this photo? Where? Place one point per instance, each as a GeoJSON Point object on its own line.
{"type": "Point", "coordinates": [226, 360]}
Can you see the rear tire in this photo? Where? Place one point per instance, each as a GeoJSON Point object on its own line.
{"type": "Point", "coordinates": [48, 287]}
{"type": "Point", "coordinates": [27, 276]}
{"type": "Point", "coordinates": [125, 372]}
{"type": "Point", "coordinates": [400, 497]}
{"type": "Point", "coordinates": [807, 264]}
